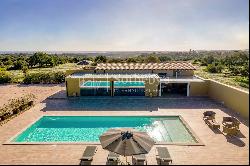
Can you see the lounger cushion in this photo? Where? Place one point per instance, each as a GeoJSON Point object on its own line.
{"type": "Point", "coordinates": [89, 152]}
{"type": "Point", "coordinates": [163, 154]}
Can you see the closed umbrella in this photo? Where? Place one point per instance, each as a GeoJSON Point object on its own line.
{"type": "Point", "coordinates": [126, 142]}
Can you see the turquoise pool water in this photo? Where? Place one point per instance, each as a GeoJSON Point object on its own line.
{"type": "Point", "coordinates": [116, 83]}
{"type": "Point", "coordinates": [88, 129]}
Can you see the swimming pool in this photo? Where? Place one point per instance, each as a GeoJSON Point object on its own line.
{"type": "Point", "coordinates": [93, 84]}
{"type": "Point", "coordinates": [119, 88]}
{"type": "Point", "coordinates": [167, 129]}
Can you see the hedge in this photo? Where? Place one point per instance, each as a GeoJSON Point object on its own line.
{"type": "Point", "coordinates": [4, 77]}
{"type": "Point", "coordinates": [46, 78]}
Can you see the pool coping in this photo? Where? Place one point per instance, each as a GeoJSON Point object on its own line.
{"type": "Point", "coordinates": [189, 129]}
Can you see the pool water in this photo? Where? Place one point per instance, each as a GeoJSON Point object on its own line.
{"type": "Point", "coordinates": [116, 83]}
{"type": "Point", "coordinates": [89, 128]}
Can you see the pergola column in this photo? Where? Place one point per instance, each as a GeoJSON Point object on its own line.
{"type": "Point", "coordinates": [160, 90]}
{"type": "Point", "coordinates": [188, 88]}
{"type": "Point", "coordinates": [112, 88]}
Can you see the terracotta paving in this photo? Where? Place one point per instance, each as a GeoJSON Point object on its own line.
{"type": "Point", "coordinates": [218, 148]}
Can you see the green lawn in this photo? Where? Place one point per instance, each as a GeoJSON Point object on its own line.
{"type": "Point", "coordinates": [221, 77]}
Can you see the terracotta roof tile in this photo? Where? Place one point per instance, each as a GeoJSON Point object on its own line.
{"type": "Point", "coordinates": [146, 66]}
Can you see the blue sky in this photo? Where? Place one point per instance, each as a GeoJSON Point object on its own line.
{"type": "Point", "coordinates": [123, 25]}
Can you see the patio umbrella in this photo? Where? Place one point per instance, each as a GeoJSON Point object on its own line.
{"type": "Point", "coordinates": [126, 142]}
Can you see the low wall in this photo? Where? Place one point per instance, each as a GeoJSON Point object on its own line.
{"type": "Point", "coordinates": [198, 88]}
{"type": "Point", "coordinates": [72, 86]}
{"type": "Point", "coordinates": [69, 72]}
{"type": "Point", "coordinates": [233, 98]}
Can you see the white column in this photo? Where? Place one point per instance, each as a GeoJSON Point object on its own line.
{"type": "Point", "coordinates": [160, 90]}
{"type": "Point", "coordinates": [188, 89]}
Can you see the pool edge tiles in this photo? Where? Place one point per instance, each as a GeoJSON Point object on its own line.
{"type": "Point", "coordinates": [197, 141]}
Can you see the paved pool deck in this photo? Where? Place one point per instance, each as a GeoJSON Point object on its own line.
{"type": "Point", "coordinates": [218, 149]}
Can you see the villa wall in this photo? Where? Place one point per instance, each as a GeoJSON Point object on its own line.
{"type": "Point", "coordinates": [169, 72]}
{"type": "Point", "coordinates": [186, 73]}
{"type": "Point", "coordinates": [233, 98]}
{"type": "Point", "coordinates": [73, 86]}
{"type": "Point", "coordinates": [69, 72]}
{"type": "Point", "coordinates": [151, 87]}
{"type": "Point", "coordinates": [198, 88]}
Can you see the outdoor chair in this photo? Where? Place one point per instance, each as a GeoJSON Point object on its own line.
{"type": "Point", "coordinates": [209, 118]}
{"type": "Point", "coordinates": [231, 125]}
{"type": "Point", "coordinates": [163, 156]}
{"type": "Point", "coordinates": [112, 158]}
{"type": "Point", "coordinates": [209, 115]}
{"type": "Point", "coordinates": [88, 155]}
{"type": "Point", "coordinates": [139, 159]}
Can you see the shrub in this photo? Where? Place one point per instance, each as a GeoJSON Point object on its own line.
{"type": "Point", "coordinates": [195, 61]}
{"type": "Point", "coordinates": [131, 60]}
{"type": "Point", "coordinates": [46, 78]}
{"type": "Point", "coordinates": [59, 77]}
{"type": "Point", "coordinates": [34, 78]}
{"type": "Point", "coordinates": [207, 60]}
{"type": "Point", "coordinates": [2, 69]}
{"type": "Point", "coordinates": [151, 59]}
{"type": "Point", "coordinates": [100, 59]}
{"type": "Point", "coordinates": [94, 64]}
{"type": "Point", "coordinates": [213, 68]}
{"type": "Point", "coordinates": [4, 77]}
{"type": "Point", "coordinates": [16, 105]}
{"type": "Point", "coordinates": [243, 81]}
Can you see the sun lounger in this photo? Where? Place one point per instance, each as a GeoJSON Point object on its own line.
{"type": "Point", "coordinates": [88, 154]}
{"type": "Point", "coordinates": [163, 156]}
{"type": "Point", "coordinates": [139, 159]}
{"type": "Point", "coordinates": [231, 125]}
{"type": "Point", "coordinates": [212, 123]}
{"type": "Point", "coordinates": [209, 118]}
{"type": "Point", "coordinates": [209, 115]}
{"type": "Point", "coordinates": [113, 158]}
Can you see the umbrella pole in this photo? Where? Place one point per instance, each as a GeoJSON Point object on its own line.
{"type": "Point", "coordinates": [126, 160]}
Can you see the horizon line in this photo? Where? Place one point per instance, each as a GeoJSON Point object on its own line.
{"type": "Point", "coordinates": [126, 51]}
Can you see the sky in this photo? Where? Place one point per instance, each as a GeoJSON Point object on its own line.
{"type": "Point", "coordinates": [123, 25]}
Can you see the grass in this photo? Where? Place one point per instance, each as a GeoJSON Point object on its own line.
{"type": "Point", "coordinates": [18, 75]}
{"type": "Point", "coordinates": [223, 77]}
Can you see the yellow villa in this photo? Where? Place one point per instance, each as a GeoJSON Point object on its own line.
{"type": "Point", "coordinates": [134, 79]}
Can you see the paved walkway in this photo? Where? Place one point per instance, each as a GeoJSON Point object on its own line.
{"type": "Point", "coordinates": [218, 148]}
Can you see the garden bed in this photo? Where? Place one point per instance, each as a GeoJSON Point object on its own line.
{"type": "Point", "coordinates": [15, 107]}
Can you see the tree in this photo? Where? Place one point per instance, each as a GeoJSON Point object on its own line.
{"type": "Point", "coordinates": [213, 68]}
{"type": "Point", "coordinates": [25, 70]}
{"type": "Point", "coordinates": [39, 58]}
{"type": "Point", "coordinates": [114, 60]}
{"type": "Point", "coordinates": [207, 60]}
{"type": "Point", "coordinates": [238, 63]}
{"type": "Point", "coordinates": [131, 60]}
{"type": "Point", "coordinates": [165, 58]}
{"type": "Point", "coordinates": [152, 59]}
{"type": "Point", "coordinates": [9, 62]}
{"type": "Point", "coordinates": [1, 64]}
{"type": "Point", "coordinates": [100, 59]}
{"type": "Point", "coordinates": [17, 65]}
